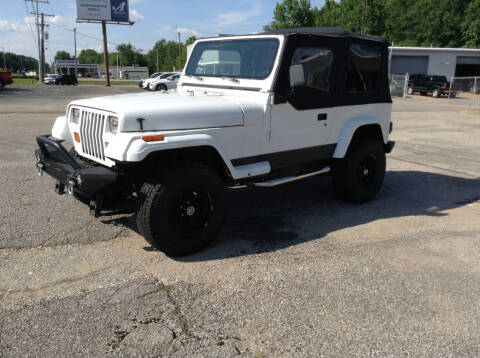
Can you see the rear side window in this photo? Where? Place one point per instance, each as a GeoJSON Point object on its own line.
{"type": "Point", "coordinates": [362, 69]}
{"type": "Point", "coordinates": [317, 65]}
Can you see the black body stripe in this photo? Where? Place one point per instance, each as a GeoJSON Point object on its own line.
{"type": "Point", "coordinates": [290, 157]}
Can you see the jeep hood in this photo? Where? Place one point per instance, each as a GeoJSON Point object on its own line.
{"type": "Point", "coordinates": [168, 110]}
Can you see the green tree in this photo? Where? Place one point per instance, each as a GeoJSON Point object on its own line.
{"type": "Point", "coordinates": [90, 56]}
{"type": "Point", "coordinates": [328, 15]}
{"type": "Point", "coordinates": [63, 55]}
{"type": "Point", "coordinates": [471, 25]}
{"type": "Point", "coordinates": [292, 13]}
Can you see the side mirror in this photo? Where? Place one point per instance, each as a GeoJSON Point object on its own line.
{"type": "Point", "coordinates": [297, 76]}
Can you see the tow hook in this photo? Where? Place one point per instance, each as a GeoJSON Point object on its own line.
{"type": "Point", "coordinates": [40, 167]}
{"type": "Point", "coordinates": [71, 184]}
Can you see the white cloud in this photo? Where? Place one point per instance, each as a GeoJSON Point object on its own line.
{"type": "Point", "coordinates": [135, 16]}
{"type": "Point", "coordinates": [12, 27]}
{"type": "Point", "coordinates": [235, 17]}
{"type": "Point", "coordinates": [185, 31]}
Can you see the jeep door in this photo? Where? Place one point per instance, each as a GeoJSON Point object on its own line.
{"type": "Point", "coordinates": [301, 116]}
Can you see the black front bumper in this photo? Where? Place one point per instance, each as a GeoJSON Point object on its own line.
{"type": "Point", "coordinates": [75, 174]}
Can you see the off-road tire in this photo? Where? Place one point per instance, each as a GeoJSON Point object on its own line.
{"type": "Point", "coordinates": [163, 215]}
{"type": "Point", "coordinates": [358, 177]}
{"type": "Point", "coordinates": [410, 91]}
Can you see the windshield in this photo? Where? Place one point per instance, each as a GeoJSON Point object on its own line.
{"type": "Point", "coordinates": [249, 58]}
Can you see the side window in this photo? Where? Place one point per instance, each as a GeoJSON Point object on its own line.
{"type": "Point", "coordinates": [317, 65]}
{"type": "Point", "coordinates": [362, 68]}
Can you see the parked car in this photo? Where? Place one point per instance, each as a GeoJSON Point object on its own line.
{"type": "Point", "coordinates": [69, 80]}
{"type": "Point", "coordinates": [286, 108]}
{"type": "Point", "coordinates": [50, 79]}
{"type": "Point", "coordinates": [6, 78]}
{"type": "Point", "coordinates": [436, 85]}
{"type": "Point", "coordinates": [146, 83]}
{"type": "Point", "coordinates": [155, 75]}
{"type": "Point", "coordinates": [165, 84]}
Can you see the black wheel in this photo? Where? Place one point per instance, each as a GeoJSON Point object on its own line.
{"type": "Point", "coordinates": [410, 91]}
{"type": "Point", "coordinates": [359, 176]}
{"type": "Point", "coordinates": [436, 93]}
{"type": "Point", "coordinates": [180, 210]}
{"type": "Point", "coordinates": [2, 86]}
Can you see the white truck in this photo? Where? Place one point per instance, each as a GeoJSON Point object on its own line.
{"type": "Point", "coordinates": [260, 110]}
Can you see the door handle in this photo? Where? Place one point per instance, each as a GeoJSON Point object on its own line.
{"type": "Point", "coordinates": [322, 117]}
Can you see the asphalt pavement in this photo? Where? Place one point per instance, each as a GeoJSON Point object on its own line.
{"type": "Point", "coordinates": [295, 272]}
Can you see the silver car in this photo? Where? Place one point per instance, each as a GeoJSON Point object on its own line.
{"type": "Point", "coordinates": [165, 84]}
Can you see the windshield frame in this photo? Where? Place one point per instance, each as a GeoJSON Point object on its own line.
{"type": "Point", "coordinates": [235, 39]}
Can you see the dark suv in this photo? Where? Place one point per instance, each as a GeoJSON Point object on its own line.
{"type": "Point", "coordinates": [436, 85]}
{"type": "Point", "coordinates": [69, 80]}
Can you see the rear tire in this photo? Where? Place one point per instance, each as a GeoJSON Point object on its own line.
{"type": "Point", "coordinates": [410, 91]}
{"type": "Point", "coordinates": [180, 210]}
{"type": "Point", "coordinates": [2, 86]}
{"type": "Point", "coordinates": [358, 177]}
{"type": "Point", "coordinates": [436, 93]}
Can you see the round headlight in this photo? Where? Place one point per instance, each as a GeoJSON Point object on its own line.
{"type": "Point", "coordinates": [75, 117]}
{"type": "Point", "coordinates": [113, 124]}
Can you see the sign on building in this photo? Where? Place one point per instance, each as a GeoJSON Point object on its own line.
{"type": "Point", "coordinates": [103, 10]}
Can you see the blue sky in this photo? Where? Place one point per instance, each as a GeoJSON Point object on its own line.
{"type": "Point", "coordinates": [155, 19]}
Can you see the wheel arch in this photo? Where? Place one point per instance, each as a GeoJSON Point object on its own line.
{"type": "Point", "coordinates": [362, 127]}
{"type": "Point", "coordinates": [205, 154]}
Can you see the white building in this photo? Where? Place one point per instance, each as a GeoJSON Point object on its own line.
{"type": "Point", "coordinates": [449, 62]}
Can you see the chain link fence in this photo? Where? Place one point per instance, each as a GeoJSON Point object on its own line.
{"type": "Point", "coordinates": [398, 85]}
{"type": "Point", "coordinates": [466, 90]}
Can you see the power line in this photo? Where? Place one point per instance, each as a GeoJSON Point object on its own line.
{"type": "Point", "coordinates": [83, 34]}
{"type": "Point", "coordinates": [29, 24]}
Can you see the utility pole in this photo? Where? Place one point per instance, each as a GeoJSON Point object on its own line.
{"type": "Point", "coordinates": [37, 24]}
{"type": "Point", "coordinates": [75, 44]}
{"type": "Point", "coordinates": [179, 52]}
{"type": "Point", "coordinates": [42, 46]}
{"type": "Point", "coordinates": [105, 53]}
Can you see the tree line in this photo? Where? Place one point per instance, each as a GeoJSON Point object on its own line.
{"type": "Point", "coordinates": [438, 23]}
{"type": "Point", "coordinates": [164, 56]}
{"type": "Point", "coordinates": [18, 63]}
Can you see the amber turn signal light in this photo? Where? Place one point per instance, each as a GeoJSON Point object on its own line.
{"type": "Point", "coordinates": [153, 138]}
{"type": "Point", "coordinates": [77, 137]}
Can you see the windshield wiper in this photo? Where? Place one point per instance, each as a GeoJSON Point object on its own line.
{"type": "Point", "coordinates": [233, 79]}
{"type": "Point", "coordinates": [200, 78]}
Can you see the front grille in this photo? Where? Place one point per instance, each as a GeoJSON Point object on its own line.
{"type": "Point", "coordinates": [92, 127]}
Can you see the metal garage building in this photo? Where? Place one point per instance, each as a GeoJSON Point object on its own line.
{"type": "Point", "coordinates": [449, 62]}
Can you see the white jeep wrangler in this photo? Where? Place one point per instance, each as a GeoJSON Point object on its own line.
{"type": "Point", "coordinates": [261, 110]}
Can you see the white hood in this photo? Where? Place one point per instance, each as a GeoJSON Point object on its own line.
{"type": "Point", "coordinates": [168, 110]}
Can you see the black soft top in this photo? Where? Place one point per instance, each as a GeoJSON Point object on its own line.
{"type": "Point", "coordinates": [323, 31]}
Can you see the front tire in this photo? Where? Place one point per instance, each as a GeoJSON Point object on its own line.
{"type": "Point", "coordinates": [180, 211]}
{"type": "Point", "coordinates": [410, 91]}
{"type": "Point", "coordinates": [358, 177]}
